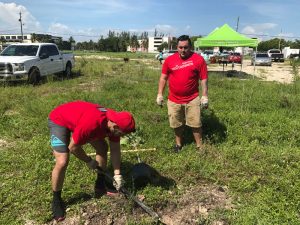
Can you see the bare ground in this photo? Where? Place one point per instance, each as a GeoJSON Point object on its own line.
{"type": "Point", "coordinates": [195, 205]}
{"type": "Point", "coordinates": [280, 72]}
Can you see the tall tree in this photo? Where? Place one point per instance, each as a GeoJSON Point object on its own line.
{"type": "Point", "coordinates": [134, 43]}
{"type": "Point", "coordinates": [145, 40]}
{"type": "Point", "coordinates": [33, 37]}
{"type": "Point", "coordinates": [163, 46]}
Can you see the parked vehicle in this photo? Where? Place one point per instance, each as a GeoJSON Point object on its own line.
{"type": "Point", "coordinates": [205, 56]}
{"type": "Point", "coordinates": [262, 59]}
{"type": "Point", "coordinates": [32, 61]}
{"type": "Point", "coordinates": [166, 53]}
{"type": "Point", "coordinates": [235, 57]}
{"type": "Point", "coordinates": [209, 53]}
{"type": "Point", "coordinates": [294, 56]}
{"type": "Point", "coordinates": [276, 55]}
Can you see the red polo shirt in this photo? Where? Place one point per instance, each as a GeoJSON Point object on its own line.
{"type": "Point", "coordinates": [84, 120]}
{"type": "Point", "coordinates": [184, 76]}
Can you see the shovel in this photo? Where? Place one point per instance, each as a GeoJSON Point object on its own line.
{"type": "Point", "coordinates": [127, 194]}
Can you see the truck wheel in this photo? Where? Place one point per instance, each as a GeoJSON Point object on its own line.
{"type": "Point", "coordinates": [34, 76]}
{"type": "Point", "coordinates": [68, 71]}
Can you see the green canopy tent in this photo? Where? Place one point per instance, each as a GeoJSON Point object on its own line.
{"type": "Point", "coordinates": [225, 36]}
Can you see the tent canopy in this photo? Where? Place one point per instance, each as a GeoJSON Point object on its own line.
{"type": "Point", "coordinates": [225, 36]}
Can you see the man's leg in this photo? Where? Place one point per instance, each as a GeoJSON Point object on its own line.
{"type": "Point", "coordinates": [193, 119]}
{"type": "Point", "coordinates": [178, 135]}
{"type": "Point", "coordinates": [58, 176]}
{"type": "Point", "coordinates": [60, 138]}
{"type": "Point", "coordinates": [197, 132]}
{"type": "Point", "coordinates": [101, 148]}
{"type": "Point", "coordinates": [176, 120]}
{"type": "Point", "coordinates": [59, 170]}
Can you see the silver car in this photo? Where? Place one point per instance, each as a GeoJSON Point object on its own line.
{"type": "Point", "coordinates": [262, 59]}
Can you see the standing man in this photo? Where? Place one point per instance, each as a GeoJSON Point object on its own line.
{"type": "Point", "coordinates": [77, 123]}
{"type": "Point", "coordinates": [183, 70]}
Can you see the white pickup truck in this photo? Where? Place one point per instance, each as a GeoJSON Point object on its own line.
{"type": "Point", "coordinates": [32, 61]}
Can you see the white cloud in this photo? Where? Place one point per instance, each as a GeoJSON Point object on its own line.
{"type": "Point", "coordinates": [165, 29]}
{"type": "Point", "coordinates": [9, 19]}
{"type": "Point", "coordinates": [258, 29]}
{"type": "Point", "coordinates": [59, 29]}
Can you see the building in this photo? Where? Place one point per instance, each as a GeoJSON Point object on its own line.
{"type": "Point", "coordinates": [141, 48]}
{"type": "Point", "coordinates": [8, 39]}
{"type": "Point", "coordinates": [154, 42]}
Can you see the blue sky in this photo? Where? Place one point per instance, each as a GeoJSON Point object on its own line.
{"type": "Point", "coordinates": [85, 20]}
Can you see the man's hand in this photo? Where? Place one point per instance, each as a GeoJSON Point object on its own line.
{"type": "Point", "coordinates": [92, 164]}
{"type": "Point", "coordinates": [118, 182]}
{"type": "Point", "coordinates": [204, 102]}
{"type": "Point", "coordinates": [159, 100]}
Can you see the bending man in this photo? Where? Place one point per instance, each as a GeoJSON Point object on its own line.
{"type": "Point", "coordinates": [77, 123]}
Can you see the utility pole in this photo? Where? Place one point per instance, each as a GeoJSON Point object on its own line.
{"type": "Point", "coordinates": [237, 24]}
{"type": "Point", "coordinates": [279, 39]}
{"type": "Point", "coordinates": [20, 20]}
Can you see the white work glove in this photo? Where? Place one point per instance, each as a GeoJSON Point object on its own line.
{"type": "Point", "coordinates": [204, 102]}
{"type": "Point", "coordinates": [92, 164]}
{"type": "Point", "coordinates": [118, 182]}
{"type": "Point", "coordinates": [160, 100]}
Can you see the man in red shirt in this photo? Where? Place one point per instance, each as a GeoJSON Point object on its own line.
{"type": "Point", "coordinates": [183, 70]}
{"type": "Point", "coordinates": [77, 123]}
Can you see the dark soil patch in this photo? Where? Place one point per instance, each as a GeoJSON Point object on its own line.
{"type": "Point", "coordinates": [195, 206]}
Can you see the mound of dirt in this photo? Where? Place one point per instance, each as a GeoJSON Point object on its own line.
{"type": "Point", "coordinates": [194, 206]}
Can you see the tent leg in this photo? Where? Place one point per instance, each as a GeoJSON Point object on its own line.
{"type": "Point", "coordinates": [254, 61]}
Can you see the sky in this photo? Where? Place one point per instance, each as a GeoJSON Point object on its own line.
{"type": "Point", "coordinates": [87, 20]}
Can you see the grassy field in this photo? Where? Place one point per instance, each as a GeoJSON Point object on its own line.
{"type": "Point", "coordinates": [130, 55]}
{"type": "Point", "coordinates": [251, 134]}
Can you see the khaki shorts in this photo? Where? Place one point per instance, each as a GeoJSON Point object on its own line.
{"type": "Point", "coordinates": [189, 114]}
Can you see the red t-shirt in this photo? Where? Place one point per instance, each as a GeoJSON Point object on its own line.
{"type": "Point", "coordinates": [183, 76]}
{"type": "Point", "coordinates": [84, 120]}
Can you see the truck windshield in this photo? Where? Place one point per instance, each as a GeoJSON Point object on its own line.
{"type": "Point", "coordinates": [20, 50]}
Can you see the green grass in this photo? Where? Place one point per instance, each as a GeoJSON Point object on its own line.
{"type": "Point", "coordinates": [251, 130]}
{"type": "Point", "coordinates": [130, 55]}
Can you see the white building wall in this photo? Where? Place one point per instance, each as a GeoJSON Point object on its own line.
{"type": "Point", "coordinates": [154, 42]}
{"type": "Point", "coordinates": [14, 38]}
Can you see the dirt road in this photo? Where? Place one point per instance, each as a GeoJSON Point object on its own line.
{"type": "Point", "coordinates": [280, 72]}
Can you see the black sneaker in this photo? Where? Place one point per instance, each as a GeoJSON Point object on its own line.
{"type": "Point", "coordinates": [58, 209]}
{"type": "Point", "coordinates": [177, 148]}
